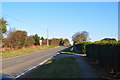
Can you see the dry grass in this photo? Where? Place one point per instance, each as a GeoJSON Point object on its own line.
{"type": "Point", "coordinates": [23, 51]}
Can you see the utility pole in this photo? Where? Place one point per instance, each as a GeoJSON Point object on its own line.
{"type": "Point", "coordinates": [47, 38]}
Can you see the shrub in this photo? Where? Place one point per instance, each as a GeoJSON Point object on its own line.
{"type": "Point", "coordinates": [66, 42]}
{"type": "Point", "coordinates": [106, 52]}
{"type": "Point", "coordinates": [36, 39]}
{"type": "Point", "coordinates": [18, 39]}
{"type": "Point", "coordinates": [29, 41]}
{"type": "Point", "coordinates": [55, 42]}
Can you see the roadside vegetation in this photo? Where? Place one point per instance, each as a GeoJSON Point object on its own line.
{"type": "Point", "coordinates": [71, 50]}
{"type": "Point", "coordinates": [68, 51]}
{"type": "Point", "coordinates": [17, 42]}
{"type": "Point", "coordinates": [20, 52]}
{"type": "Point", "coordinates": [65, 67]}
{"type": "Point", "coordinates": [104, 55]}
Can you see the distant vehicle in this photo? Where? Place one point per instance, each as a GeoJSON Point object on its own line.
{"type": "Point", "coordinates": [5, 77]}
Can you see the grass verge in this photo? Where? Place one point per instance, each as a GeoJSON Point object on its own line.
{"type": "Point", "coordinates": [71, 51]}
{"type": "Point", "coordinates": [20, 52]}
{"type": "Point", "coordinates": [63, 52]}
{"type": "Point", "coordinates": [65, 67]}
{"type": "Point", "coordinates": [67, 51]}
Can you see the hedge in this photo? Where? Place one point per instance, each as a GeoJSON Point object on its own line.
{"type": "Point", "coordinates": [106, 52]}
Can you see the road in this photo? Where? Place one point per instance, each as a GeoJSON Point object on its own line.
{"type": "Point", "coordinates": [17, 65]}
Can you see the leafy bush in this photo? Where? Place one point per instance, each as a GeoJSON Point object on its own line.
{"type": "Point", "coordinates": [3, 24]}
{"type": "Point", "coordinates": [36, 39]}
{"type": "Point", "coordinates": [18, 39]}
{"type": "Point", "coordinates": [55, 42]}
{"type": "Point", "coordinates": [66, 42]}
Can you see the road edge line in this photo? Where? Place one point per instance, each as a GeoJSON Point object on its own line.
{"type": "Point", "coordinates": [33, 68]}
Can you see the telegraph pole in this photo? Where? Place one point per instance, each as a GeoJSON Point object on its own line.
{"type": "Point", "coordinates": [47, 38]}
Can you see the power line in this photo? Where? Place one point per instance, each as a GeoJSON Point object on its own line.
{"type": "Point", "coordinates": [16, 19]}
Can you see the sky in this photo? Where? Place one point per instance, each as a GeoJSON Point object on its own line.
{"type": "Point", "coordinates": [59, 0]}
{"type": "Point", "coordinates": [63, 19]}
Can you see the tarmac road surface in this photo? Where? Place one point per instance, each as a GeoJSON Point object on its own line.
{"type": "Point", "coordinates": [17, 65]}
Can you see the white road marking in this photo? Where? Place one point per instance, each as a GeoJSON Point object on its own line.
{"type": "Point", "coordinates": [33, 67]}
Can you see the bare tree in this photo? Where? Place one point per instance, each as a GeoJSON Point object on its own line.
{"type": "Point", "coordinates": [80, 37]}
{"type": "Point", "coordinates": [10, 32]}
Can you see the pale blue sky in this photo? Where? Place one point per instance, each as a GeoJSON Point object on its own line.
{"type": "Point", "coordinates": [63, 19]}
{"type": "Point", "coordinates": [59, 0]}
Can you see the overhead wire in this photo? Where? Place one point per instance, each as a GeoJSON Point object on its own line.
{"type": "Point", "coordinates": [16, 19]}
